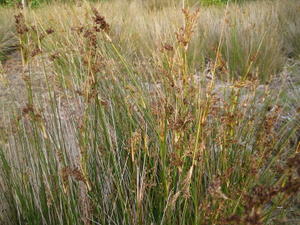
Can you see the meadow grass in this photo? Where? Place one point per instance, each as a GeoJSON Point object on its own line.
{"type": "Point", "coordinates": [247, 34]}
{"type": "Point", "coordinates": [154, 116]}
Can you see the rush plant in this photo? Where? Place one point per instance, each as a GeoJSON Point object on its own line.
{"type": "Point", "coordinates": [147, 136]}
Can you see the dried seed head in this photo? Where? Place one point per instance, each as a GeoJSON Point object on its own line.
{"type": "Point", "coordinates": [91, 38]}
{"type": "Point", "coordinates": [78, 175]}
{"type": "Point", "coordinates": [167, 47]}
{"type": "Point", "coordinates": [49, 31]}
{"type": "Point", "coordinates": [184, 34]}
{"type": "Point", "coordinates": [36, 51]}
{"type": "Point", "coordinates": [20, 24]}
{"type": "Point", "coordinates": [100, 22]}
{"type": "Point", "coordinates": [27, 109]}
{"type": "Point", "coordinates": [67, 172]}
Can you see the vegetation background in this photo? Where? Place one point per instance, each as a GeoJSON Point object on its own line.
{"type": "Point", "coordinates": [35, 3]}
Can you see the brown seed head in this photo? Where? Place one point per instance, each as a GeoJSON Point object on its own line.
{"type": "Point", "coordinates": [167, 47]}
{"type": "Point", "coordinates": [20, 24]}
{"type": "Point", "coordinates": [100, 22]}
{"type": "Point", "coordinates": [49, 31]}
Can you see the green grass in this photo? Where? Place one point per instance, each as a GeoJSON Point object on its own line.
{"type": "Point", "coordinates": [142, 125]}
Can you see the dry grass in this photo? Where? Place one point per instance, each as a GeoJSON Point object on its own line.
{"type": "Point", "coordinates": [251, 33]}
{"type": "Point", "coordinates": [8, 41]}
